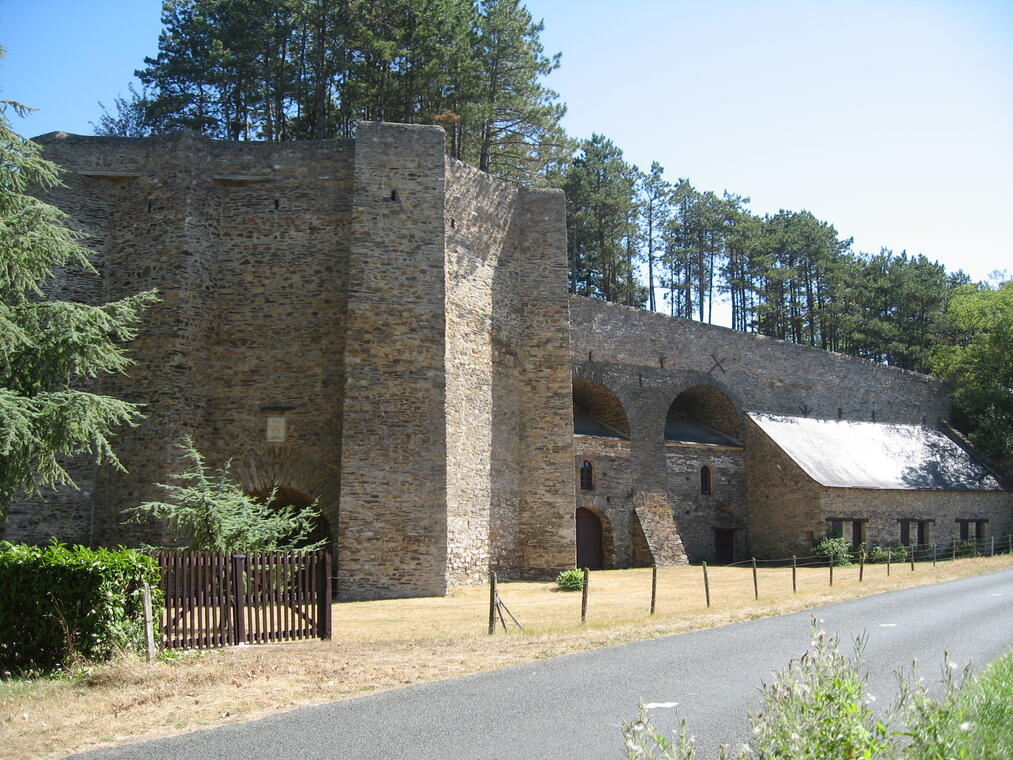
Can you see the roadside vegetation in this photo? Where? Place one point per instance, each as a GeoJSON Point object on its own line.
{"type": "Point", "coordinates": [816, 708]}
{"type": "Point", "coordinates": [392, 643]}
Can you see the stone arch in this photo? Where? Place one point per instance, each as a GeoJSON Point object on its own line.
{"type": "Point", "coordinates": [704, 405]}
{"type": "Point", "coordinates": [297, 474]}
{"type": "Point", "coordinates": [597, 410]}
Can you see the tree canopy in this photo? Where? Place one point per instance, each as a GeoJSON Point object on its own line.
{"type": "Point", "coordinates": [49, 349]}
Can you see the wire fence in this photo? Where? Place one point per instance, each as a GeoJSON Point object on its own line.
{"type": "Point", "coordinates": [635, 595]}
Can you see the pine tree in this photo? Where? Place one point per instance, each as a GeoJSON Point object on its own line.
{"type": "Point", "coordinates": [47, 347]}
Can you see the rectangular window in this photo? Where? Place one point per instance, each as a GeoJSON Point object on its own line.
{"type": "Point", "coordinates": [836, 529]}
{"type": "Point", "coordinates": [905, 532]}
{"type": "Point", "coordinates": [963, 529]}
{"type": "Point", "coordinates": [923, 532]}
{"type": "Point", "coordinates": [857, 533]}
{"type": "Point", "coordinates": [979, 528]}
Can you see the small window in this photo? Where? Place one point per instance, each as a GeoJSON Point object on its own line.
{"type": "Point", "coordinates": [963, 529]}
{"type": "Point", "coordinates": [979, 528]}
{"type": "Point", "coordinates": [857, 533]}
{"type": "Point", "coordinates": [905, 532]}
{"type": "Point", "coordinates": [586, 476]}
{"type": "Point", "coordinates": [836, 529]}
{"type": "Point", "coordinates": [706, 487]}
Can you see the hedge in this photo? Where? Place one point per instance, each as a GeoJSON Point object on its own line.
{"type": "Point", "coordinates": [59, 604]}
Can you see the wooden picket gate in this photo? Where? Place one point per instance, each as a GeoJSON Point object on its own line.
{"type": "Point", "coordinates": [216, 599]}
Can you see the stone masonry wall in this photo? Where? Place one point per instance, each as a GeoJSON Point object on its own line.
{"type": "Point", "coordinates": [483, 325]}
{"type": "Point", "coordinates": [697, 514]}
{"type": "Point", "coordinates": [393, 533]}
{"type": "Point", "coordinates": [612, 496]}
{"type": "Point", "coordinates": [783, 506]}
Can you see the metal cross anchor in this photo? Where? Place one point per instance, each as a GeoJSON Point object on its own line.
{"type": "Point", "coordinates": [719, 363]}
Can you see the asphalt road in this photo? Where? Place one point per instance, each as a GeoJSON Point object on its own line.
{"type": "Point", "coordinates": [572, 707]}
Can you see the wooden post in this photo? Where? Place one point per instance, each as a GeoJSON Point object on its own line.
{"type": "Point", "coordinates": [324, 596]}
{"type": "Point", "coordinates": [830, 562]}
{"type": "Point", "coordinates": [794, 569]}
{"type": "Point", "coordinates": [492, 603]}
{"type": "Point", "coordinates": [933, 554]}
{"type": "Point", "coordinates": [239, 601]}
{"type": "Point", "coordinates": [706, 585]}
{"type": "Point", "coordinates": [889, 558]}
{"type": "Point", "coordinates": [954, 542]}
{"type": "Point", "coordinates": [861, 567]}
{"type": "Point", "coordinates": [654, 586]}
{"type": "Point", "coordinates": [756, 588]}
{"type": "Point", "coordinates": [991, 548]}
{"type": "Point", "coordinates": [583, 597]}
{"type": "Point", "coordinates": [149, 623]}
{"type": "Point", "coordinates": [912, 548]}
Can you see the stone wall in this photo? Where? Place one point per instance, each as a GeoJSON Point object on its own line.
{"type": "Point", "coordinates": [612, 496]}
{"type": "Point", "coordinates": [393, 531]}
{"type": "Point", "coordinates": [697, 514]}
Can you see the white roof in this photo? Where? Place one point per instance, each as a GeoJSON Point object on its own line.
{"type": "Point", "coordinates": [847, 454]}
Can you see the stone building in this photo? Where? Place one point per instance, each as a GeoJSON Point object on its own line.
{"type": "Point", "coordinates": [371, 326]}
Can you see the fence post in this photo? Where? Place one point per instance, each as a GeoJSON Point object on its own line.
{"type": "Point", "coordinates": [583, 597]}
{"type": "Point", "coordinates": [324, 595]}
{"type": "Point", "coordinates": [889, 559]}
{"type": "Point", "coordinates": [149, 624]}
{"type": "Point", "coordinates": [830, 562]}
{"type": "Point", "coordinates": [861, 568]}
{"type": "Point", "coordinates": [239, 600]}
{"type": "Point", "coordinates": [991, 548]}
{"type": "Point", "coordinates": [654, 586]}
{"type": "Point", "coordinates": [794, 568]}
{"type": "Point", "coordinates": [933, 554]}
{"type": "Point", "coordinates": [706, 585]}
{"type": "Point", "coordinates": [756, 588]}
{"type": "Point", "coordinates": [492, 602]}
{"type": "Point", "coordinates": [912, 547]}
{"type": "Point", "coordinates": [954, 542]}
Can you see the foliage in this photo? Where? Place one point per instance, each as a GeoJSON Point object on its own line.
{"type": "Point", "coordinates": [59, 603]}
{"type": "Point", "coordinates": [570, 580]}
{"type": "Point", "coordinates": [209, 511]}
{"type": "Point", "coordinates": [836, 549]}
{"type": "Point", "coordinates": [974, 356]}
{"type": "Point", "coordinates": [894, 552]}
{"type": "Point", "coordinates": [311, 69]}
{"type": "Point", "coordinates": [50, 348]}
{"type": "Point", "coordinates": [972, 719]}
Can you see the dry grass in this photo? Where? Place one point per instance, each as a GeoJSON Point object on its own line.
{"type": "Point", "coordinates": [387, 644]}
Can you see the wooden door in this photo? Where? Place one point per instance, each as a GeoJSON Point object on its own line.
{"type": "Point", "coordinates": [724, 546]}
{"type": "Point", "coordinates": [589, 540]}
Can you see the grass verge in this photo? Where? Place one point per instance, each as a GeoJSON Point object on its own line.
{"type": "Point", "coordinates": [392, 643]}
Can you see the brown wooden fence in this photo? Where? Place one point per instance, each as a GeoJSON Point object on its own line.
{"type": "Point", "coordinates": [215, 599]}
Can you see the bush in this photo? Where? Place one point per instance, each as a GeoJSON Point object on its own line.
{"type": "Point", "coordinates": [570, 580]}
{"type": "Point", "coordinates": [59, 604]}
{"type": "Point", "coordinates": [892, 552]}
{"type": "Point", "coordinates": [836, 549]}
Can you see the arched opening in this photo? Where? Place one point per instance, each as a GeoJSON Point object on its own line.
{"type": "Point", "coordinates": [586, 476]}
{"type": "Point", "coordinates": [705, 480]}
{"type": "Point", "coordinates": [703, 414]}
{"type": "Point", "coordinates": [597, 411]}
{"type": "Point", "coordinates": [590, 544]}
{"type": "Point", "coordinates": [289, 497]}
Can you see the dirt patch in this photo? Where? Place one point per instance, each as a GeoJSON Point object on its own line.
{"type": "Point", "coordinates": [393, 643]}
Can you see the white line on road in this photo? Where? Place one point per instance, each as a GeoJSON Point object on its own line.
{"type": "Point", "coordinates": [887, 625]}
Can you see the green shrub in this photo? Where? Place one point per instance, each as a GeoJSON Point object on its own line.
{"type": "Point", "coordinates": [570, 580]}
{"type": "Point", "coordinates": [60, 603]}
{"type": "Point", "coordinates": [892, 552]}
{"type": "Point", "coordinates": [836, 549]}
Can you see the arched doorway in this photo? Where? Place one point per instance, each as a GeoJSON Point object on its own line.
{"type": "Point", "coordinates": [597, 411]}
{"type": "Point", "coordinates": [590, 550]}
{"type": "Point", "coordinates": [288, 497]}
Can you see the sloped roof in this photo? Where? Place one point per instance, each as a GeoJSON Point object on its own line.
{"type": "Point", "coordinates": [685, 430]}
{"type": "Point", "coordinates": [584, 424]}
{"type": "Point", "coordinates": [847, 454]}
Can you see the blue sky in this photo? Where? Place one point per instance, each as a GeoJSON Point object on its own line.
{"type": "Point", "coordinates": [892, 120]}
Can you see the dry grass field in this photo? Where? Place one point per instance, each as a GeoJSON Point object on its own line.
{"type": "Point", "coordinates": [388, 644]}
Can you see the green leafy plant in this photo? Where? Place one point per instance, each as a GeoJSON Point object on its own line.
{"type": "Point", "coordinates": [59, 604]}
{"type": "Point", "coordinates": [837, 550]}
{"type": "Point", "coordinates": [209, 511]}
{"type": "Point", "coordinates": [892, 552]}
{"type": "Point", "coordinates": [570, 580]}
